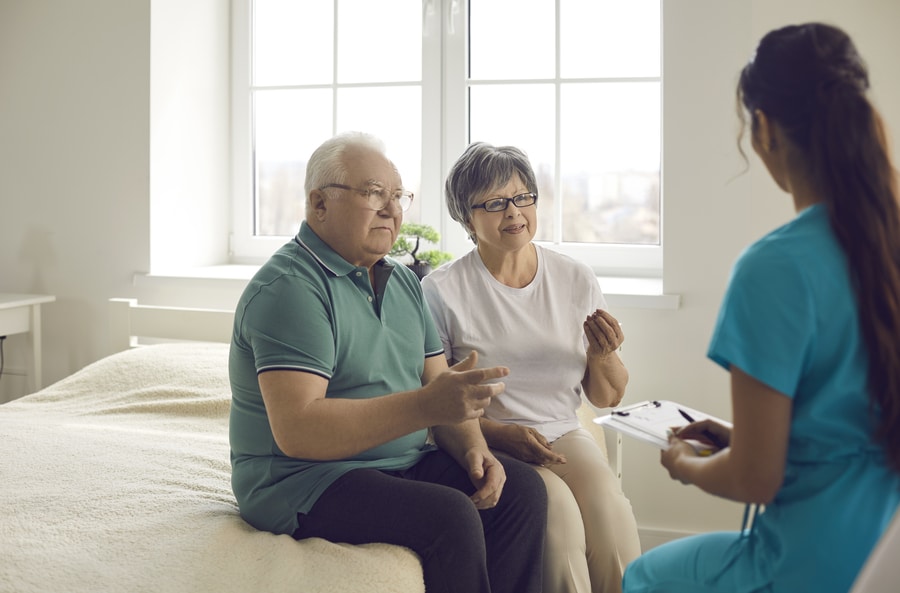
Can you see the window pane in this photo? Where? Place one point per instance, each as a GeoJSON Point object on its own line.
{"type": "Point", "coordinates": [609, 38]}
{"type": "Point", "coordinates": [610, 154]}
{"type": "Point", "coordinates": [398, 124]}
{"type": "Point", "coordinates": [379, 41]}
{"type": "Point", "coordinates": [285, 34]}
{"type": "Point", "coordinates": [512, 39]}
{"type": "Point", "coordinates": [522, 116]}
{"type": "Point", "coordinates": [289, 125]}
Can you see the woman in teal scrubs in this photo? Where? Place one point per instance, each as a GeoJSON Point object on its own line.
{"type": "Point", "coordinates": [810, 332]}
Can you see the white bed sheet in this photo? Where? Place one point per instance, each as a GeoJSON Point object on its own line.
{"type": "Point", "coordinates": [118, 479]}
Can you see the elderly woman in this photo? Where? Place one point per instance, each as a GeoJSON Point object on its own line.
{"type": "Point", "coordinates": [541, 314]}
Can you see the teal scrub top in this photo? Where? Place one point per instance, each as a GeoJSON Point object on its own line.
{"type": "Point", "coordinates": [790, 320]}
{"type": "Point", "coordinates": [309, 310]}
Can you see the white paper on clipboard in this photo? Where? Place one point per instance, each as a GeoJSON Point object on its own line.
{"type": "Point", "coordinates": [650, 421]}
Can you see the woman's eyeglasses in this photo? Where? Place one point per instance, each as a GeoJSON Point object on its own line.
{"type": "Point", "coordinates": [501, 204]}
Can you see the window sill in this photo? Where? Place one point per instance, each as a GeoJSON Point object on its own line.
{"type": "Point", "coordinates": [620, 292]}
{"type": "Point", "coordinates": [637, 293]}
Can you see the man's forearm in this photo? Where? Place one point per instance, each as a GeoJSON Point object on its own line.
{"type": "Point", "coordinates": [457, 439]}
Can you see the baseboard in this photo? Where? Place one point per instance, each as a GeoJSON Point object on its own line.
{"type": "Point", "coordinates": [650, 538]}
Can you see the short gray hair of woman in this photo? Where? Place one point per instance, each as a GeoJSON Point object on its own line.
{"type": "Point", "coordinates": [481, 169]}
{"type": "Point", "coordinates": [326, 164]}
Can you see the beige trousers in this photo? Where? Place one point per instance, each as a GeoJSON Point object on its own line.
{"type": "Point", "coordinates": [591, 530]}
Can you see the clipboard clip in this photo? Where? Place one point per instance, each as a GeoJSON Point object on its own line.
{"type": "Point", "coordinates": [654, 403]}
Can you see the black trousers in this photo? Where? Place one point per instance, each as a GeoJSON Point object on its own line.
{"type": "Point", "coordinates": [427, 509]}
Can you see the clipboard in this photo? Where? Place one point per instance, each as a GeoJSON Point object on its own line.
{"type": "Point", "coordinates": [651, 421]}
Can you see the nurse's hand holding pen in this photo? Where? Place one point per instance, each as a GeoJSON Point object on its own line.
{"type": "Point", "coordinates": [707, 432]}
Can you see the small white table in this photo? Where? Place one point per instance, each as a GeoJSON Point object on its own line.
{"type": "Point", "coordinates": [21, 314]}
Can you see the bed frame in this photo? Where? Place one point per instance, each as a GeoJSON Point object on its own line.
{"type": "Point", "coordinates": [130, 322]}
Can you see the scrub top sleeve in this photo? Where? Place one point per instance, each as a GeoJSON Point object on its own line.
{"type": "Point", "coordinates": [766, 322]}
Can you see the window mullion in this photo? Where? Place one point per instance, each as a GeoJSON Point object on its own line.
{"type": "Point", "coordinates": [430, 195]}
{"type": "Point", "coordinates": [454, 125]}
{"type": "Point", "coordinates": [557, 168]}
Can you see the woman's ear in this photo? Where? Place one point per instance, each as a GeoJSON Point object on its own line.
{"type": "Point", "coordinates": [764, 132]}
{"type": "Point", "coordinates": [470, 230]}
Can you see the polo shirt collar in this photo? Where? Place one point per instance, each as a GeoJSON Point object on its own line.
{"type": "Point", "coordinates": [327, 257]}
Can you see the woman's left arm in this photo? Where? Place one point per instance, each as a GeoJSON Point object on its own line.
{"type": "Point", "coordinates": [751, 469]}
{"type": "Point", "coordinates": [605, 376]}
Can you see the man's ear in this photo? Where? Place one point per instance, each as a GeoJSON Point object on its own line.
{"type": "Point", "coordinates": [317, 203]}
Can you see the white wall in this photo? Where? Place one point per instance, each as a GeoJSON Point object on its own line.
{"type": "Point", "coordinates": [74, 165]}
{"type": "Point", "coordinates": [81, 140]}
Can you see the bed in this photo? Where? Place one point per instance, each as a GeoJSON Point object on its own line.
{"type": "Point", "coordinates": [117, 478]}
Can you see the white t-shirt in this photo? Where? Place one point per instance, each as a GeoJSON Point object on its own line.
{"type": "Point", "coordinates": [536, 331]}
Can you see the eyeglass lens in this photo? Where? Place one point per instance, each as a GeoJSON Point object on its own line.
{"type": "Point", "coordinates": [500, 204]}
{"type": "Point", "coordinates": [379, 197]}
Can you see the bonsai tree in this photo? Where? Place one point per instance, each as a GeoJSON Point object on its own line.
{"type": "Point", "coordinates": [409, 243]}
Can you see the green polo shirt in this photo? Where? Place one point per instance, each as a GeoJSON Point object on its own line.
{"type": "Point", "coordinates": [309, 310]}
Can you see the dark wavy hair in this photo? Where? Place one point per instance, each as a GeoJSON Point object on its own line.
{"type": "Point", "coordinates": [811, 80]}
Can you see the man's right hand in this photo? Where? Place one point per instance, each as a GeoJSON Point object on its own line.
{"type": "Point", "coordinates": [460, 393]}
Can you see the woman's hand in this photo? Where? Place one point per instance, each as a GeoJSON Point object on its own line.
{"type": "Point", "coordinates": [671, 457]}
{"type": "Point", "coordinates": [604, 334]}
{"type": "Point", "coordinates": [708, 432]}
{"type": "Point", "coordinates": [524, 443]}
{"type": "Point", "coordinates": [605, 377]}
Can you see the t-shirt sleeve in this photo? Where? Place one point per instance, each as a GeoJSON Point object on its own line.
{"type": "Point", "coordinates": [288, 325]}
{"type": "Point", "coordinates": [437, 312]}
{"type": "Point", "coordinates": [597, 297]}
{"type": "Point", "coordinates": [766, 324]}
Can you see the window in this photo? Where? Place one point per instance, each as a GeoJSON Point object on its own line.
{"type": "Point", "coordinates": [574, 83]}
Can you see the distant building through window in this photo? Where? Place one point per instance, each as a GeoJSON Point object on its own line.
{"type": "Point", "coordinates": [574, 83]}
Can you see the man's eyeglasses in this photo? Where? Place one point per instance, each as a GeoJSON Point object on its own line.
{"type": "Point", "coordinates": [501, 204]}
{"type": "Point", "coordinates": [379, 197]}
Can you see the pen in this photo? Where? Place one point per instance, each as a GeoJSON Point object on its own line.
{"type": "Point", "coordinates": [686, 416]}
{"type": "Point", "coordinates": [708, 434]}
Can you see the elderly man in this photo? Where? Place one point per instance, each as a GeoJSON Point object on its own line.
{"type": "Point", "coordinates": [337, 374]}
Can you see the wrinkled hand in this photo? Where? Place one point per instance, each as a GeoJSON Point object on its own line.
{"type": "Point", "coordinates": [460, 393]}
{"type": "Point", "coordinates": [488, 476]}
{"type": "Point", "coordinates": [525, 444]}
{"type": "Point", "coordinates": [604, 334]}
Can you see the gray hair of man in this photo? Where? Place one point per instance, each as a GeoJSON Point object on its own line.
{"type": "Point", "coordinates": [326, 164]}
{"type": "Point", "coordinates": [480, 169]}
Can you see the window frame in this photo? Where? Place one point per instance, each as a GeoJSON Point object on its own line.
{"type": "Point", "coordinates": [444, 123]}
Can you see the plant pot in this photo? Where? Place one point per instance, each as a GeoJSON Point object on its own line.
{"type": "Point", "coordinates": [420, 269]}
